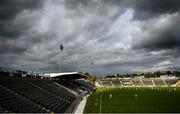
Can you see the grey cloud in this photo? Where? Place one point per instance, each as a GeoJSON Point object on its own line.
{"type": "Point", "coordinates": [145, 9]}
{"type": "Point", "coordinates": [159, 33]}
{"type": "Point", "coordinates": [98, 31]}
{"type": "Point", "coordinates": [10, 8]}
{"type": "Point", "coordinates": [12, 28]}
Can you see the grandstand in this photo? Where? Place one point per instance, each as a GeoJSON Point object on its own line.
{"type": "Point", "coordinates": [106, 83]}
{"type": "Point", "coordinates": [126, 83]}
{"type": "Point", "coordinates": [171, 82]}
{"type": "Point", "coordinates": [159, 82]}
{"type": "Point", "coordinates": [36, 94]}
{"type": "Point", "coordinates": [137, 83]}
{"type": "Point", "coordinates": [23, 92]}
{"type": "Point", "coordinates": [116, 83]}
{"type": "Point", "coordinates": [142, 82]}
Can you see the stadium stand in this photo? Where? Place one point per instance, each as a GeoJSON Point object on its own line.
{"type": "Point", "coordinates": [77, 86]}
{"type": "Point", "coordinates": [126, 83]}
{"type": "Point", "coordinates": [170, 81]}
{"type": "Point", "coordinates": [147, 82]}
{"type": "Point", "coordinates": [159, 82]}
{"type": "Point", "coordinates": [137, 83]}
{"type": "Point", "coordinates": [13, 102]}
{"type": "Point", "coordinates": [54, 89]}
{"type": "Point", "coordinates": [116, 83]}
{"type": "Point", "coordinates": [36, 93]}
{"type": "Point", "coordinates": [69, 85]}
{"type": "Point", "coordinates": [86, 84]}
{"type": "Point", "coordinates": [24, 94]}
{"type": "Point", "coordinates": [106, 83]}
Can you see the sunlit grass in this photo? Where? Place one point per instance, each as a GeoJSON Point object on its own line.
{"type": "Point", "coordinates": [160, 99]}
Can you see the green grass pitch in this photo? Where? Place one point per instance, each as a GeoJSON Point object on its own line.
{"type": "Point", "coordinates": [137, 100]}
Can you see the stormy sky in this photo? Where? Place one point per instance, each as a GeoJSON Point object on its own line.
{"type": "Point", "coordinates": [99, 36]}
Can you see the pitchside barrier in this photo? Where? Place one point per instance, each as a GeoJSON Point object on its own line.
{"type": "Point", "coordinates": [75, 103]}
{"type": "Point", "coordinates": [72, 108]}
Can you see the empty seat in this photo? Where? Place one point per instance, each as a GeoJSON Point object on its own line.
{"type": "Point", "coordinates": [39, 95]}
{"type": "Point", "coordinates": [10, 101]}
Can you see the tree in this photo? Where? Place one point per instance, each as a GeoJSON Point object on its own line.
{"type": "Point", "coordinates": [89, 78]}
{"type": "Point", "coordinates": [93, 78]}
{"type": "Point", "coordinates": [158, 74]}
{"type": "Point", "coordinates": [87, 74]}
{"type": "Point", "coordinates": [168, 73]}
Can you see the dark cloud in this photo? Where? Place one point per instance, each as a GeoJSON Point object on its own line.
{"type": "Point", "coordinates": [160, 33]}
{"type": "Point", "coordinates": [145, 9]}
{"type": "Point", "coordinates": [9, 46]}
{"type": "Point", "coordinates": [116, 35]}
{"type": "Point", "coordinates": [10, 8]}
{"type": "Point", "coordinates": [12, 28]}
